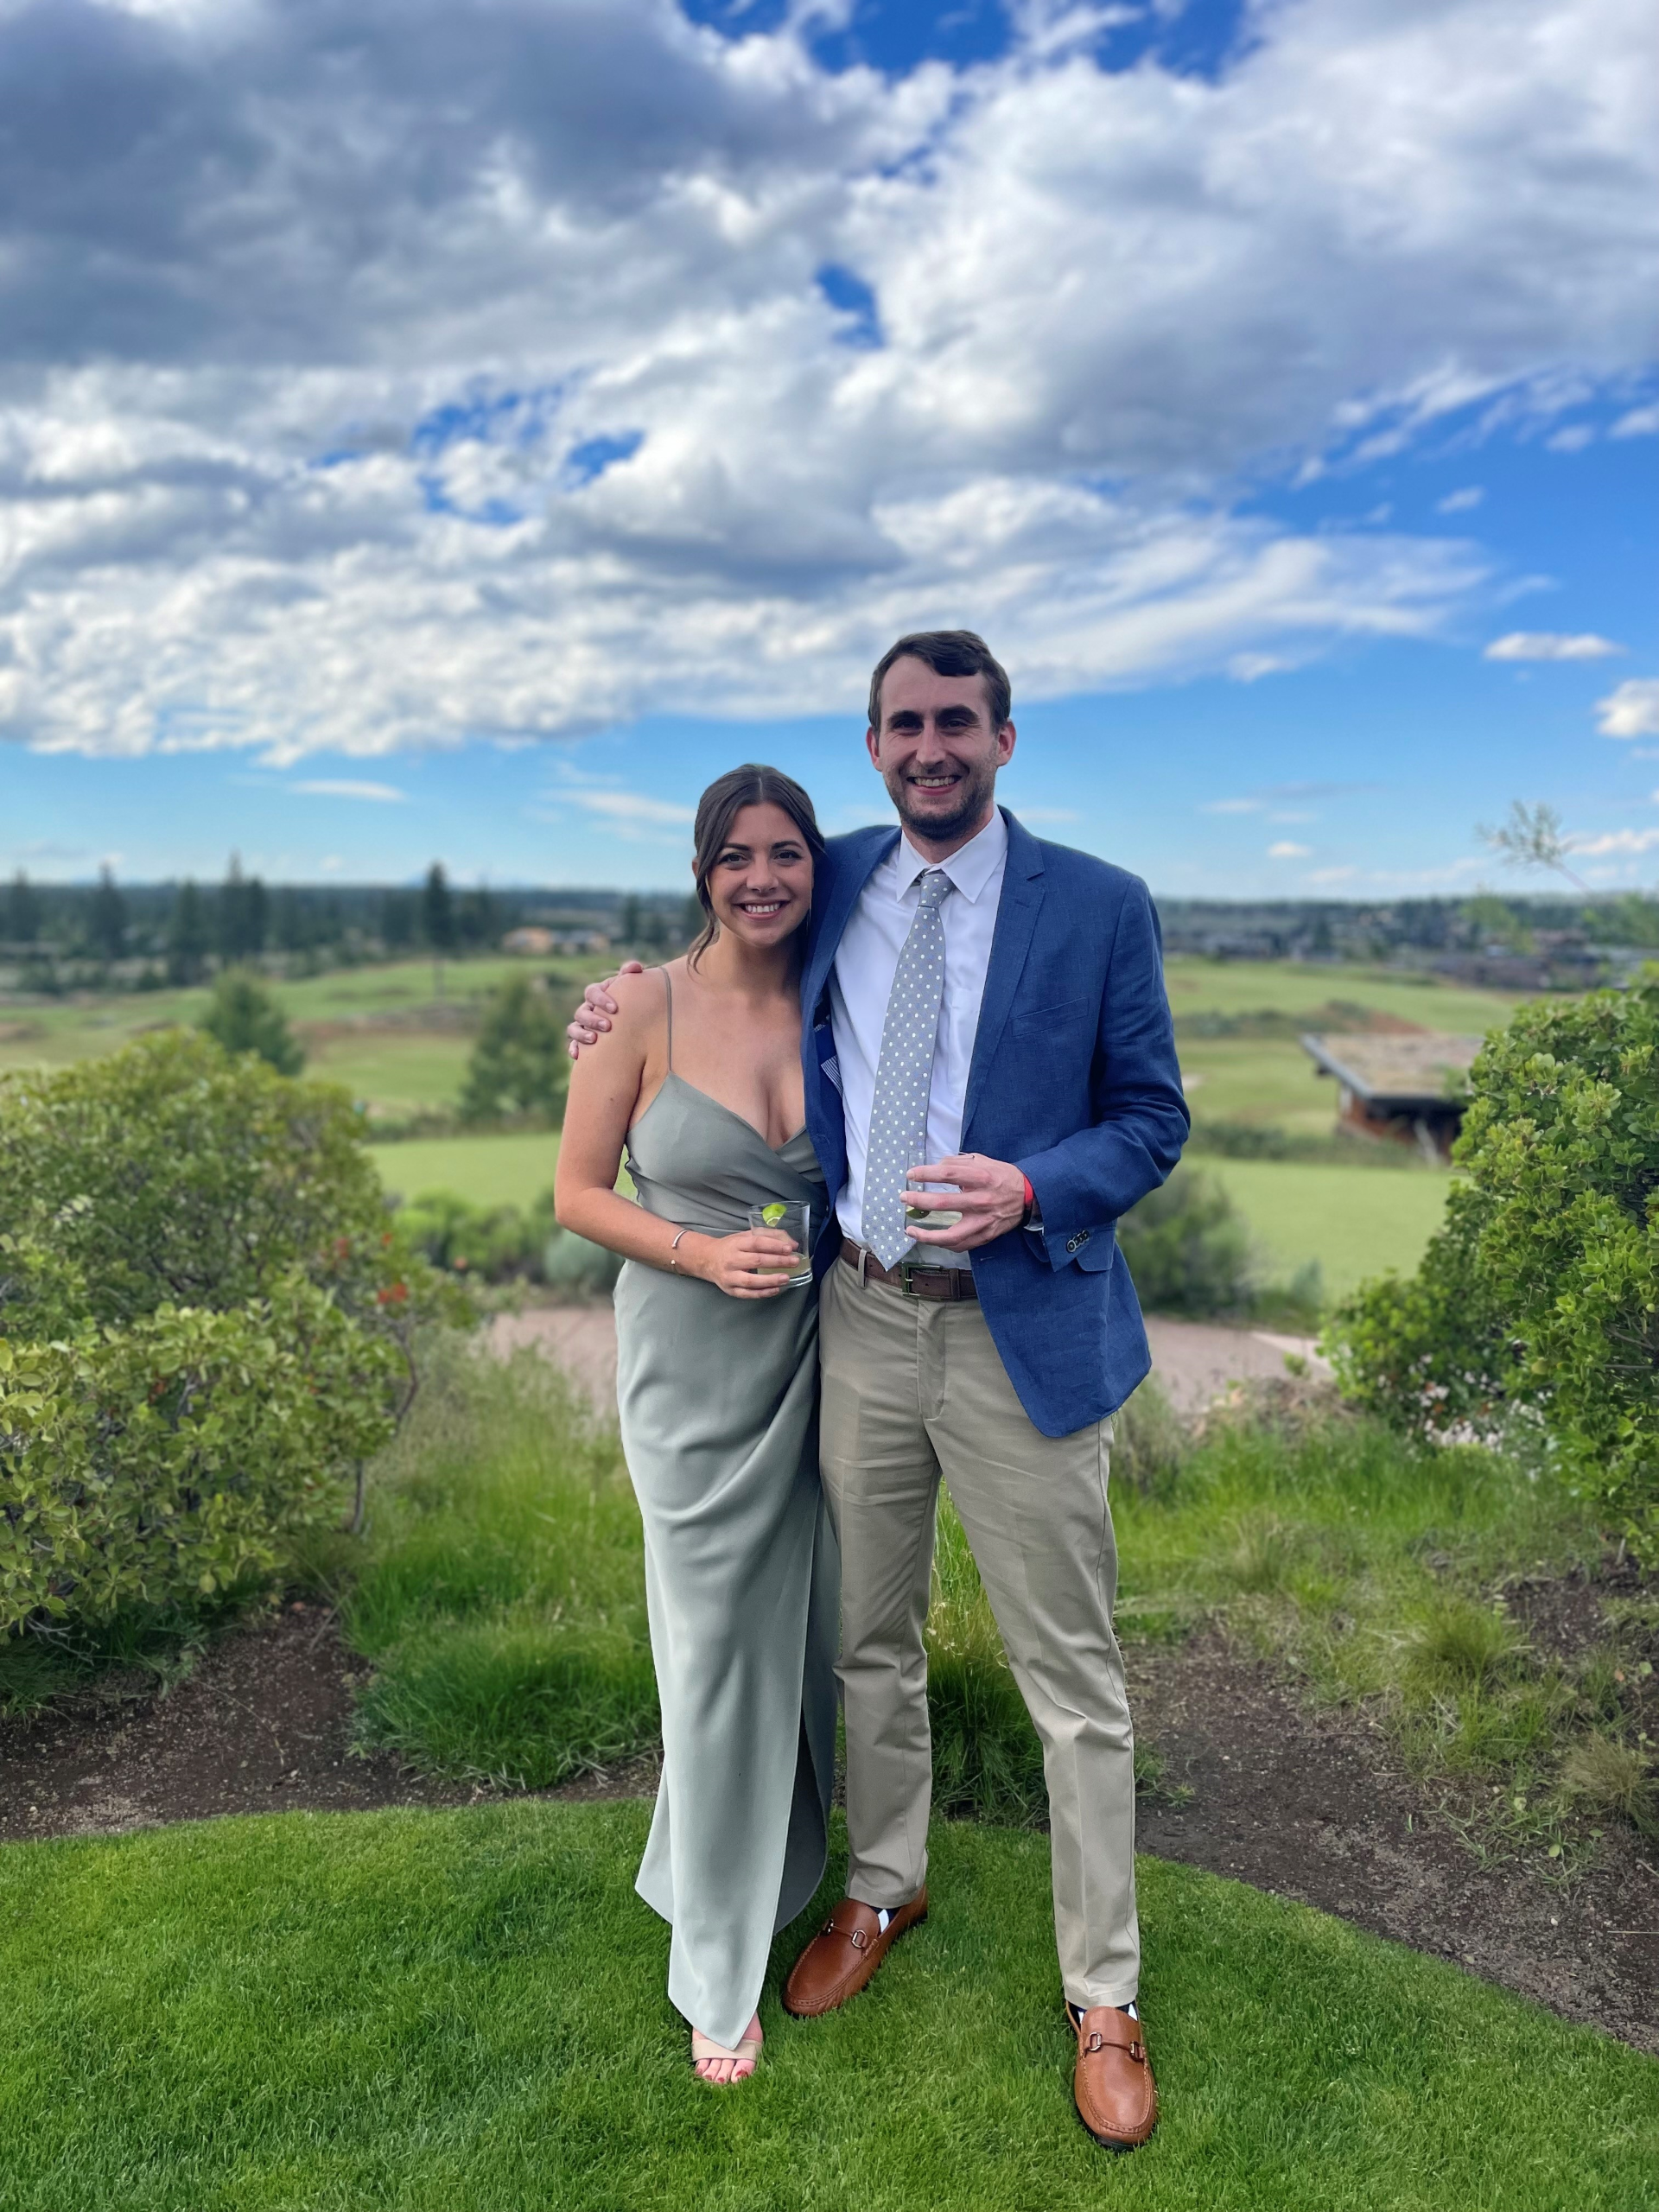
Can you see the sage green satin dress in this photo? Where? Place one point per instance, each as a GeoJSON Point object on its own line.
{"type": "Point", "coordinates": [718, 1403]}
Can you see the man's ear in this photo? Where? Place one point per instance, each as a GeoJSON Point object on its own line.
{"type": "Point", "coordinates": [872, 747]}
{"type": "Point", "coordinates": [1005, 741]}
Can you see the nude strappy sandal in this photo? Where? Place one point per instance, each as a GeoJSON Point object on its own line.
{"type": "Point", "coordinates": [701, 2049]}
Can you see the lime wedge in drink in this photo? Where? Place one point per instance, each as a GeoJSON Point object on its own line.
{"type": "Point", "coordinates": [774, 1214]}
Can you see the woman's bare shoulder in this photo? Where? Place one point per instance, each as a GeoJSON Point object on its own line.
{"type": "Point", "coordinates": [641, 1006]}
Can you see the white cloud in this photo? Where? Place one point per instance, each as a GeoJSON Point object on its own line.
{"type": "Point", "coordinates": [1574, 439]}
{"type": "Point", "coordinates": [1285, 850]}
{"type": "Point", "coordinates": [467, 374]}
{"type": "Point", "coordinates": [1550, 644]}
{"type": "Point", "coordinates": [1631, 710]}
{"type": "Point", "coordinates": [1640, 422]}
{"type": "Point", "coordinates": [1614, 841]}
{"type": "Point", "coordinates": [336, 787]}
{"type": "Point", "coordinates": [1328, 877]}
{"type": "Point", "coordinates": [1232, 806]}
{"type": "Point", "coordinates": [628, 806]}
{"type": "Point", "coordinates": [1461, 503]}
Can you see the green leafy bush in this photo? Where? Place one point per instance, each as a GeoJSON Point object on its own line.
{"type": "Point", "coordinates": [244, 1017]}
{"type": "Point", "coordinates": [206, 1324]}
{"type": "Point", "coordinates": [139, 1466]}
{"type": "Point", "coordinates": [1540, 1298]}
{"type": "Point", "coordinates": [520, 1064]}
{"type": "Point", "coordinates": [502, 1243]}
{"type": "Point", "coordinates": [1188, 1249]}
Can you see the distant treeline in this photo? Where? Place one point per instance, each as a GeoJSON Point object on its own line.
{"type": "Point", "coordinates": [1522, 942]}
{"type": "Point", "coordinates": [55, 936]}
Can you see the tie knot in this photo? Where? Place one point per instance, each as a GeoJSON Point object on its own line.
{"type": "Point", "coordinates": [935, 884]}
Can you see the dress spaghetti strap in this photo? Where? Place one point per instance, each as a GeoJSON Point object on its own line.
{"type": "Point", "coordinates": [669, 988]}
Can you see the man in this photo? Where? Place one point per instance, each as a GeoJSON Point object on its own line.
{"type": "Point", "coordinates": [985, 1035]}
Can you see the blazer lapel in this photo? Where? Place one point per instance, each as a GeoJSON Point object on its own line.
{"type": "Point", "coordinates": [1017, 911]}
{"type": "Point", "coordinates": [855, 860]}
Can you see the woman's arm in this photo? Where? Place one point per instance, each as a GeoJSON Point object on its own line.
{"type": "Point", "coordinates": [604, 1092]}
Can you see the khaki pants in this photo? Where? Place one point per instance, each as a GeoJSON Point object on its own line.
{"type": "Point", "coordinates": [913, 1388]}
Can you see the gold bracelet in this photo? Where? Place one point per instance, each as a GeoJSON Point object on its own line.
{"type": "Point", "coordinates": [674, 1248]}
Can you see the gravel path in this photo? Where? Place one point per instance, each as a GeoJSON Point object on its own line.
{"type": "Point", "coordinates": [1193, 1361]}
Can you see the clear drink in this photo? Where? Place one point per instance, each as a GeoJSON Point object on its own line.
{"type": "Point", "coordinates": [926, 1213]}
{"type": "Point", "coordinates": [794, 1217]}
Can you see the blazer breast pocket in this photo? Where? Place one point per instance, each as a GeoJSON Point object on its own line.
{"type": "Point", "coordinates": [1069, 1015]}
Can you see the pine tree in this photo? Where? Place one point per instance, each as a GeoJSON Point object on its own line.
{"type": "Point", "coordinates": [107, 924]}
{"type": "Point", "coordinates": [437, 921]}
{"type": "Point", "coordinates": [22, 911]}
{"type": "Point", "coordinates": [242, 916]}
{"type": "Point", "coordinates": [187, 936]}
{"type": "Point", "coordinates": [244, 1018]}
{"type": "Point", "coordinates": [519, 1062]}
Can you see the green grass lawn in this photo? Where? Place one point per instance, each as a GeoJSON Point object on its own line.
{"type": "Point", "coordinates": [1354, 1220]}
{"type": "Point", "coordinates": [1295, 987]}
{"type": "Point", "coordinates": [487, 1171]}
{"type": "Point", "coordinates": [463, 2012]}
{"type": "Point", "coordinates": [54, 1035]}
{"type": "Point", "coordinates": [1271, 1082]}
{"type": "Point", "coordinates": [393, 1073]}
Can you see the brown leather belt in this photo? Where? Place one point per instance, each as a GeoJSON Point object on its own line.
{"type": "Point", "coordinates": [914, 1277]}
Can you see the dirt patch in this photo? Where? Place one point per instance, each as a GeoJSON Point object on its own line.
{"type": "Point", "coordinates": [261, 1724]}
{"type": "Point", "coordinates": [1317, 1806]}
{"type": "Point", "coordinates": [1311, 1805]}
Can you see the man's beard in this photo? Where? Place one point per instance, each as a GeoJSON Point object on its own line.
{"type": "Point", "coordinates": [975, 794]}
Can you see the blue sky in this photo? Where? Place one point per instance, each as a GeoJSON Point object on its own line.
{"type": "Point", "coordinates": [478, 489]}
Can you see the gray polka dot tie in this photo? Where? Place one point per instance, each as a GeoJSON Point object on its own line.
{"type": "Point", "coordinates": [904, 1076]}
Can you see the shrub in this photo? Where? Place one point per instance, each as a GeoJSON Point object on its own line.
{"type": "Point", "coordinates": [1188, 1249]}
{"type": "Point", "coordinates": [500, 1243]}
{"type": "Point", "coordinates": [493, 1242]}
{"type": "Point", "coordinates": [242, 1017]}
{"type": "Point", "coordinates": [519, 1064]}
{"type": "Point", "coordinates": [206, 1323]}
{"type": "Point", "coordinates": [172, 1459]}
{"type": "Point", "coordinates": [1540, 1296]}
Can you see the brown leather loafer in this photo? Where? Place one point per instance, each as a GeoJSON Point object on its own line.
{"type": "Point", "coordinates": [1116, 2099]}
{"type": "Point", "coordinates": [842, 1957]}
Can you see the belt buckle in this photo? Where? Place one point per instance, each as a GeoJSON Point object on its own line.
{"type": "Point", "coordinates": [907, 1271]}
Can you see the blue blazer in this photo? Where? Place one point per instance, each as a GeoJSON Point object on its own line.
{"type": "Point", "coordinates": [1073, 1076]}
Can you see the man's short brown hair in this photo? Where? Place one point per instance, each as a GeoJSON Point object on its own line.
{"type": "Point", "coordinates": [948, 652]}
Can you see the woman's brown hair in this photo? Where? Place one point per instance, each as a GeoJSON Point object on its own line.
{"type": "Point", "coordinates": [753, 784]}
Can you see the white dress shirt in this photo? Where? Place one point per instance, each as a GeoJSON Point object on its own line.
{"type": "Point", "coordinates": [861, 980]}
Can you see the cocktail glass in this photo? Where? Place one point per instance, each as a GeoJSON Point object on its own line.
{"type": "Point", "coordinates": [794, 1217]}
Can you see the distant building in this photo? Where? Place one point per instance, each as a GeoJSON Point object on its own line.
{"type": "Point", "coordinates": [536, 943]}
{"type": "Point", "coordinates": [1408, 1089]}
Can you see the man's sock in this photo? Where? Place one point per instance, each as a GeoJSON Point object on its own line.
{"type": "Point", "coordinates": [1076, 2011]}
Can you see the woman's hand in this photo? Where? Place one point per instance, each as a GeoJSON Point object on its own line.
{"type": "Point", "coordinates": [753, 1263]}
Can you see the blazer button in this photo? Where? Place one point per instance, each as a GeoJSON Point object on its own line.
{"type": "Point", "coordinates": [1073, 1242]}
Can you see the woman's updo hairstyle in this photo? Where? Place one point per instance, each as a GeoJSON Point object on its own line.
{"type": "Point", "coordinates": [753, 784]}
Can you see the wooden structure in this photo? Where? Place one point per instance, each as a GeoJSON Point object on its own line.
{"type": "Point", "coordinates": [1404, 1089]}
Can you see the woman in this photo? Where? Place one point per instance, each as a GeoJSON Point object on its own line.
{"type": "Point", "coordinates": [717, 1386]}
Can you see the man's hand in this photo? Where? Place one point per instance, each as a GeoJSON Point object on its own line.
{"type": "Point", "coordinates": [989, 1193]}
{"type": "Point", "coordinates": [592, 1017]}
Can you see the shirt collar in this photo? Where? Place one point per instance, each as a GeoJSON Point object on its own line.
{"type": "Point", "coordinates": [970, 868]}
